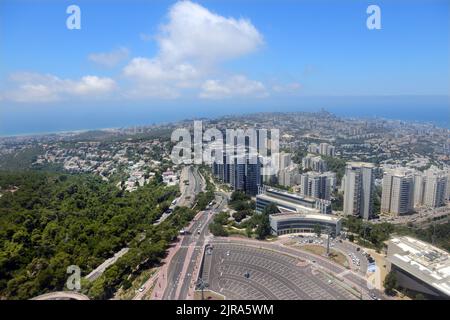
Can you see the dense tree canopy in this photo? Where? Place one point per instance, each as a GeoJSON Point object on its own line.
{"type": "Point", "coordinates": [52, 221]}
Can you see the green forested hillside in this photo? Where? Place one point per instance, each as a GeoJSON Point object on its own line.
{"type": "Point", "coordinates": [54, 220]}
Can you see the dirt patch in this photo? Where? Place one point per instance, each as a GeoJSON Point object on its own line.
{"type": "Point", "coordinates": [334, 256]}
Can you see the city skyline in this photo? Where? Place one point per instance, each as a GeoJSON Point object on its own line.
{"type": "Point", "coordinates": [141, 65]}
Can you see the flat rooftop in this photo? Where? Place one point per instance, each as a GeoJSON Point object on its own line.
{"type": "Point", "coordinates": [287, 193]}
{"type": "Point", "coordinates": [319, 216]}
{"type": "Point", "coordinates": [423, 260]}
{"type": "Point", "coordinates": [288, 204]}
{"type": "Point", "coordinates": [359, 164]}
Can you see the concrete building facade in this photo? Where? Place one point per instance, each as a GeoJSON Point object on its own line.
{"type": "Point", "coordinates": [398, 191]}
{"type": "Point", "coordinates": [358, 189]}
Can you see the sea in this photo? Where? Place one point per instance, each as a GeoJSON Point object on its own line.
{"type": "Point", "coordinates": [38, 119]}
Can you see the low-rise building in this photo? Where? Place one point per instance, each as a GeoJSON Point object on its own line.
{"type": "Point", "coordinates": [291, 202]}
{"type": "Point", "coordinates": [285, 223]}
{"type": "Point", "coordinates": [419, 267]}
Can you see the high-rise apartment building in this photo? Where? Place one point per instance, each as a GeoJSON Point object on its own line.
{"type": "Point", "coordinates": [358, 189]}
{"type": "Point", "coordinates": [419, 189]}
{"type": "Point", "coordinates": [315, 163]}
{"type": "Point", "coordinates": [435, 188]}
{"type": "Point", "coordinates": [245, 174]}
{"type": "Point", "coordinates": [398, 191]}
{"type": "Point", "coordinates": [317, 185]}
{"type": "Point", "coordinates": [285, 160]}
{"type": "Point", "coordinates": [431, 188]}
{"type": "Point", "coordinates": [288, 176]}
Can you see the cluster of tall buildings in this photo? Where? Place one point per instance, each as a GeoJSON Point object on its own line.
{"type": "Point", "coordinates": [405, 189]}
{"type": "Point", "coordinates": [324, 149]}
{"type": "Point", "coordinates": [431, 188]}
{"type": "Point", "coordinates": [241, 165]}
{"type": "Point", "coordinates": [241, 172]}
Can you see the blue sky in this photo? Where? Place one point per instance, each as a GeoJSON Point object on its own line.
{"type": "Point", "coordinates": [141, 56]}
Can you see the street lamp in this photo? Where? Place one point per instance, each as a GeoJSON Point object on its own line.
{"type": "Point", "coordinates": [328, 232]}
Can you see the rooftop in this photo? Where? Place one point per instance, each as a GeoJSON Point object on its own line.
{"type": "Point", "coordinates": [360, 164]}
{"type": "Point", "coordinates": [300, 208]}
{"type": "Point", "coordinates": [423, 260]}
{"type": "Point", "coordinates": [287, 193]}
{"type": "Point", "coordinates": [318, 216]}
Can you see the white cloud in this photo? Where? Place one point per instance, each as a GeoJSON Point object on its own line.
{"type": "Point", "coordinates": [191, 44]}
{"type": "Point", "coordinates": [193, 32]}
{"type": "Point", "coordinates": [92, 85]}
{"type": "Point", "coordinates": [153, 70]}
{"type": "Point", "coordinates": [109, 59]}
{"type": "Point", "coordinates": [235, 86]}
{"type": "Point", "coordinates": [153, 78]}
{"type": "Point", "coordinates": [35, 87]}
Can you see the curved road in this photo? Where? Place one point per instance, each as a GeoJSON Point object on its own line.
{"type": "Point", "coordinates": [62, 295]}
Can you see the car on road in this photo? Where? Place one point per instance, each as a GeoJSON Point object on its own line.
{"type": "Point", "coordinates": [141, 289]}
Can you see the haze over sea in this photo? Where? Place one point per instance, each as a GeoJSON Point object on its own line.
{"type": "Point", "coordinates": [66, 117]}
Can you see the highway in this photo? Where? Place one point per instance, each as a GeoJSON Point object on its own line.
{"type": "Point", "coordinates": [180, 269]}
{"type": "Point", "coordinates": [188, 191]}
{"type": "Point", "coordinates": [221, 203]}
{"type": "Point", "coordinates": [195, 185]}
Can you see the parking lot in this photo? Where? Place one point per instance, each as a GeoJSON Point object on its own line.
{"type": "Point", "coordinates": [357, 258]}
{"type": "Point", "coordinates": [247, 272]}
